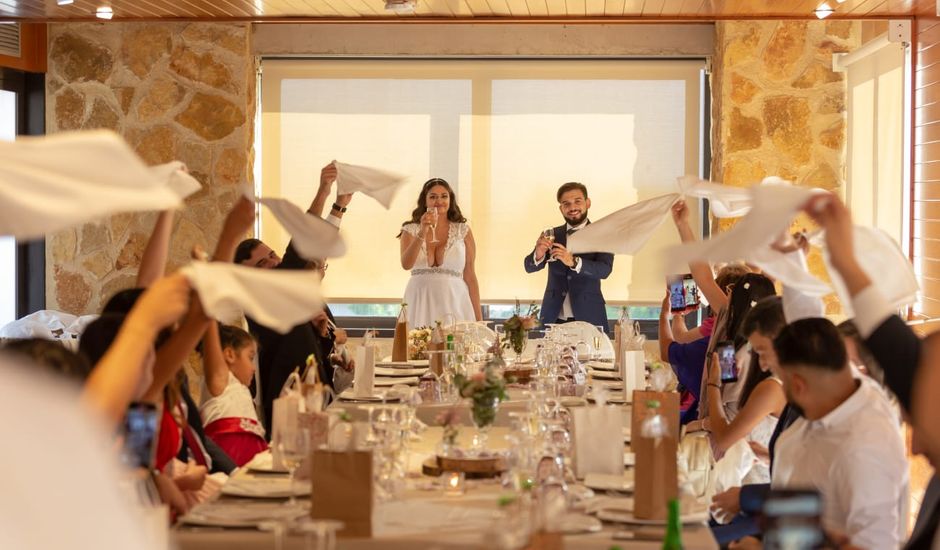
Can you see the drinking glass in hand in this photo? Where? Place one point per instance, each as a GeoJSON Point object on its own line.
{"type": "Point", "coordinates": [549, 234]}
{"type": "Point", "coordinates": [293, 446]}
{"type": "Point", "coordinates": [433, 212]}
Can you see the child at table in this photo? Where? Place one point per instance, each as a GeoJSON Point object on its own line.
{"type": "Point", "coordinates": [227, 408]}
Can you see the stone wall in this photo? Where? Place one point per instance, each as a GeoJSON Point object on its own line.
{"type": "Point", "coordinates": [175, 91]}
{"type": "Point", "coordinates": [778, 108]}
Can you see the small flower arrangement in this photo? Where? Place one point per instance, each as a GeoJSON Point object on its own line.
{"type": "Point", "coordinates": [448, 421]}
{"type": "Point", "coordinates": [485, 389]}
{"type": "Point", "coordinates": [518, 326]}
{"type": "Point", "coordinates": [418, 339]}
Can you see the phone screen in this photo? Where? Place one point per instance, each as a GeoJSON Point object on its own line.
{"type": "Point", "coordinates": [141, 424]}
{"type": "Point", "coordinates": [676, 293]}
{"type": "Point", "coordinates": [727, 362]}
{"type": "Point", "coordinates": [691, 291]}
{"type": "Point", "coordinates": [791, 519]}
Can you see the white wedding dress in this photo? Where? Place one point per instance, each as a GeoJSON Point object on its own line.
{"type": "Point", "coordinates": [433, 292]}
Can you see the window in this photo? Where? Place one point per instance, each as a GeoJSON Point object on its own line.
{"type": "Point", "coordinates": [7, 244]}
{"type": "Point", "coordinates": [504, 133]}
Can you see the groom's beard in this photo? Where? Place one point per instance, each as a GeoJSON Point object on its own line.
{"type": "Point", "coordinates": [574, 222]}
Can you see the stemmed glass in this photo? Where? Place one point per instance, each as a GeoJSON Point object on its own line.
{"type": "Point", "coordinates": [294, 446]}
{"type": "Point", "coordinates": [433, 212]}
{"type": "Point", "coordinates": [325, 531]}
{"type": "Point", "coordinates": [549, 234]}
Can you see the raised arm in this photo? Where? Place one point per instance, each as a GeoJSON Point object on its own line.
{"type": "Point", "coordinates": [173, 354]}
{"type": "Point", "coordinates": [470, 275]}
{"type": "Point", "coordinates": [411, 244]}
{"type": "Point", "coordinates": [701, 271]}
{"type": "Point", "coordinates": [213, 361]}
{"type": "Point", "coordinates": [111, 386]}
{"type": "Point", "coordinates": [153, 261]}
{"type": "Point", "coordinates": [236, 226]}
{"type": "Point", "coordinates": [665, 331]}
{"type": "Point", "coordinates": [327, 177]}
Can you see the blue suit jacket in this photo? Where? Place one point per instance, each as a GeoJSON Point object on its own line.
{"type": "Point", "coordinates": [587, 302]}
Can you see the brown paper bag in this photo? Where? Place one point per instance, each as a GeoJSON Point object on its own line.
{"type": "Point", "coordinates": [542, 540]}
{"type": "Point", "coordinates": [400, 343]}
{"type": "Point", "coordinates": [668, 407]}
{"type": "Point", "coordinates": [342, 490]}
{"type": "Point", "coordinates": [656, 479]}
{"type": "Point", "coordinates": [618, 345]}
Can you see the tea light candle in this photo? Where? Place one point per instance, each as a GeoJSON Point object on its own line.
{"type": "Point", "coordinates": [454, 483]}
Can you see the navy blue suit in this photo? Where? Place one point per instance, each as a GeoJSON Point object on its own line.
{"type": "Point", "coordinates": [584, 288]}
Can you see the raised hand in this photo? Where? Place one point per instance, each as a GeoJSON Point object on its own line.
{"type": "Point", "coordinates": [561, 253]}
{"type": "Point", "coordinates": [327, 175]}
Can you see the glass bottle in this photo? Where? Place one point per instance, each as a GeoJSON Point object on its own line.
{"type": "Point", "coordinates": [673, 539]}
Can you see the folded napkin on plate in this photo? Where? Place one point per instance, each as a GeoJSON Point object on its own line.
{"type": "Point", "coordinates": [313, 237]}
{"type": "Point", "coordinates": [51, 183]}
{"type": "Point", "coordinates": [381, 185]}
{"type": "Point", "coordinates": [277, 299]}
{"type": "Point", "coordinates": [626, 230]}
{"type": "Point", "coordinates": [724, 201]}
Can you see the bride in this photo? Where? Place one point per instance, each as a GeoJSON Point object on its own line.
{"type": "Point", "coordinates": [438, 247]}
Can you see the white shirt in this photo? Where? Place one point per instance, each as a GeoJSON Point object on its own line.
{"type": "Point", "coordinates": [566, 312]}
{"type": "Point", "coordinates": [234, 402]}
{"type": "Point", "coordinates": [854, 456]}
{"type": "Point", "coordinates": [334, 220]}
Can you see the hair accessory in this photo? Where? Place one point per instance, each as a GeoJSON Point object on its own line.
{"type": "Point", "coordinates": [747, 286]}
{"type": "Point", "coordinates": [753, 303]}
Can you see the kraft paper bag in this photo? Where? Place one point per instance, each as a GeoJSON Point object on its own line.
{"type": "Point", "coordinates": [342, 490]}
{"type": "Point", "coordinates": [364, 373]}
{"type": "Point", "coordinates": [656, 474]}
{"type": "Point", "coordinates": [633, 371]}
{"type": "Point", "coordinates": [668, 407]}
{"type": "Point", "coordinates": [284, 414]}
{"type": "Point", "coordinates": [595, 451]}
{"type": "Point", "coordinates": [400, 341]}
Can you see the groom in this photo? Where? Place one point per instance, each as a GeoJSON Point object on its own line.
{"type": "Point", "coordinates": [573, 292]}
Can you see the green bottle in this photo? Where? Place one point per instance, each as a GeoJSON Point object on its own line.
{"type": "Point", "coordinates": [673, 540]}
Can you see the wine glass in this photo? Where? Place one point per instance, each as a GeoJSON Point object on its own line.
{"type": "Point", "coordinates": [433, 212]}
{"type": "Point", "coordinates": [294, 446]}
{"type": "Point", "coordinates": [549, 234]}
{"type": "Point", "coordinates": [323, 529]}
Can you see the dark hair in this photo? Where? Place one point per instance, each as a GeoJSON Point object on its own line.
{"type": "Point", "coordinates": [754, 377]}
{"type": "Point", "coordinates": [750, 288]}
{"type": "Point", "coordinates": [814, 343]}
{"type": "Point", "coordinates": [122, 301]}
{"type": "Point", "coordinates": [765, 318]}
{"type": "Point", "coordinates": [729, 275]}
{"type": "Point", "coordinates": [453, 212]}
{"type": "Point", "coordinates": [245, 248]}
{"type": "Point", "coordinates": [233, 337]}
{"type": "Point", "coordinates": [53, 356]}
{"type": "Point", "coordinates": [571, 186]}
{"type": "Point", "coordinates": [848, 330]}
{"type": "Point", "coordinates": [99, 335]}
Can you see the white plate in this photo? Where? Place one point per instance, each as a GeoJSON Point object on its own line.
{"type": "Point", "coordinates": [601, 365]}
{"type": "Point", "coordinates": [240, 514]}
{"type": "Point", "coordinates": [605, 375]}
{"type": "Point", "coordinates": [263, 487]}
{"type": "Point", "coordinates": [263, 462]}
{"type": "Point", "coordinates": [610, 482]}
{"type": "Point", "coordinates": [572, 401]}
{"type": "Point", "coordinates": [575, 524]}
{"type": "Point", "coordinates": [620, 516]}
{"type": "Point", "coordinates": [401, 372]}
{"type": "Point", "coordinates": [387, 382]}
{"type": "Point", "coordinates": [410, 364]}
{"type": "Point", "coordinates": [350, 396]}
{"type": "Point", "coordinates": [614, 504]}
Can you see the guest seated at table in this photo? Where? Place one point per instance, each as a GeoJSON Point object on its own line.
{"type": "Point", "coordinates": [846, 446]}
{"type": "Point", "coordinates": [52, 356]}
{"type": "Point", "coordinates": [227, 408]}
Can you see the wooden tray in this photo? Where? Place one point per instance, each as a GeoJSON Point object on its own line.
{"type": "Point", "coordinates": [474, 468]}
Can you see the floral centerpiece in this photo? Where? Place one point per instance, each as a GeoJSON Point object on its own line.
{"type": "Point", "coordinates": [418, 339]}
{"type": "Point", "coordinates": [518, 326]}
{"type": "Point", "coordinates": [486, 389]}
{"type": "Point", "coordinates": [448, 421]}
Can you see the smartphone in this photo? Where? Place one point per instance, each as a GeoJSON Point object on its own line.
{"type": "Point", "coordinates": [691, 291]}
{"type": "Point", "coordinates": [791, 519]}
{"type": "Point", "coordinates": [141, 428]}
{"type": "Point", "coordinates": [727, 361]}
{"type": "Point", "coordinates": [676, 293]}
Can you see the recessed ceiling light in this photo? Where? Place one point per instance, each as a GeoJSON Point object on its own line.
{"type": "Point", "coordinates": [104, 12]}
{"type": "Point", "coordinates": [824, 10]}
{"type": "Point", "coordinates": [64, 2]}
{"type": "Point", "coordinates": [400, 6]}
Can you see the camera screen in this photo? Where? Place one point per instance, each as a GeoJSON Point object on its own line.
{"type": "Point", "coordinates": [140, 435]}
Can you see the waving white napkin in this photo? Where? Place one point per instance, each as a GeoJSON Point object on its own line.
{"type": "Point", "coordinates": [51, 183]}
{"type": "Point", "coordinates": [279, 299]}
{"type": "Point", "coordinates": [381, 185]}
{"type": "Point", "coordinates": [725, 201]}
{"type": "Point", "coordinates": [176, 176]}
{"type": "Point", "coordinates": [313, 237]}
{"type": "Point", "coordinates": [626, 230]}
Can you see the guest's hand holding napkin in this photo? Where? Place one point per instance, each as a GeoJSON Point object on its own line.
{"type": "Point", "coordinates": [50, 183]}
{"type": "Point", "coordinates": [278, 299]}
{"type": "Point", "coordinates": [313, 237]}
{"type": "Point", "coordinates": [626, 230]}
{"type": "Point", "coordinates": [381, 185]}
{"type": "Point", "coordinates": [724, 201]}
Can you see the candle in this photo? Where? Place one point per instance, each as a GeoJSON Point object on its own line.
{"type": "Point", "coordinates": [454, 483]}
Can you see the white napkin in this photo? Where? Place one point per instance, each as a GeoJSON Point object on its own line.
{"type": "Point", "coordinates": [774, 208]}
{"type": "Point", "coordinates": [626, 230]}
{"type": "Point", "coordinates": [364, 374]}
{"type": "Point", "coordinates": [595, 452]}
{"type": "Point", "coordinates": [724, 201]}
{"type": "Point", "coordinates": [379, 184]}
{"type": "Point", "coordinates": [51, 183]}
{"type": "Point", "coordinates": [279, 299]}
{"type": "Point", "coordinates": [313, 237]}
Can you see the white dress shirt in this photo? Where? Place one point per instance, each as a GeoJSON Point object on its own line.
{"type": "Point", "coordinates": [566, 312]}
{"type": "Point", "coordinates": [854, 456]}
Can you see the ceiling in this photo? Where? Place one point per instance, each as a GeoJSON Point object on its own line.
{"type": "Point", "coordinates": [261, 10]}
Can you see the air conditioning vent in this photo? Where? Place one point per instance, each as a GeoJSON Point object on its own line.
{"type": "Point", "coordinates": [10, 39]}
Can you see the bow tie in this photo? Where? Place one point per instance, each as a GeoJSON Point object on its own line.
{"type": "Point", "coordinates": [571, 230]}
